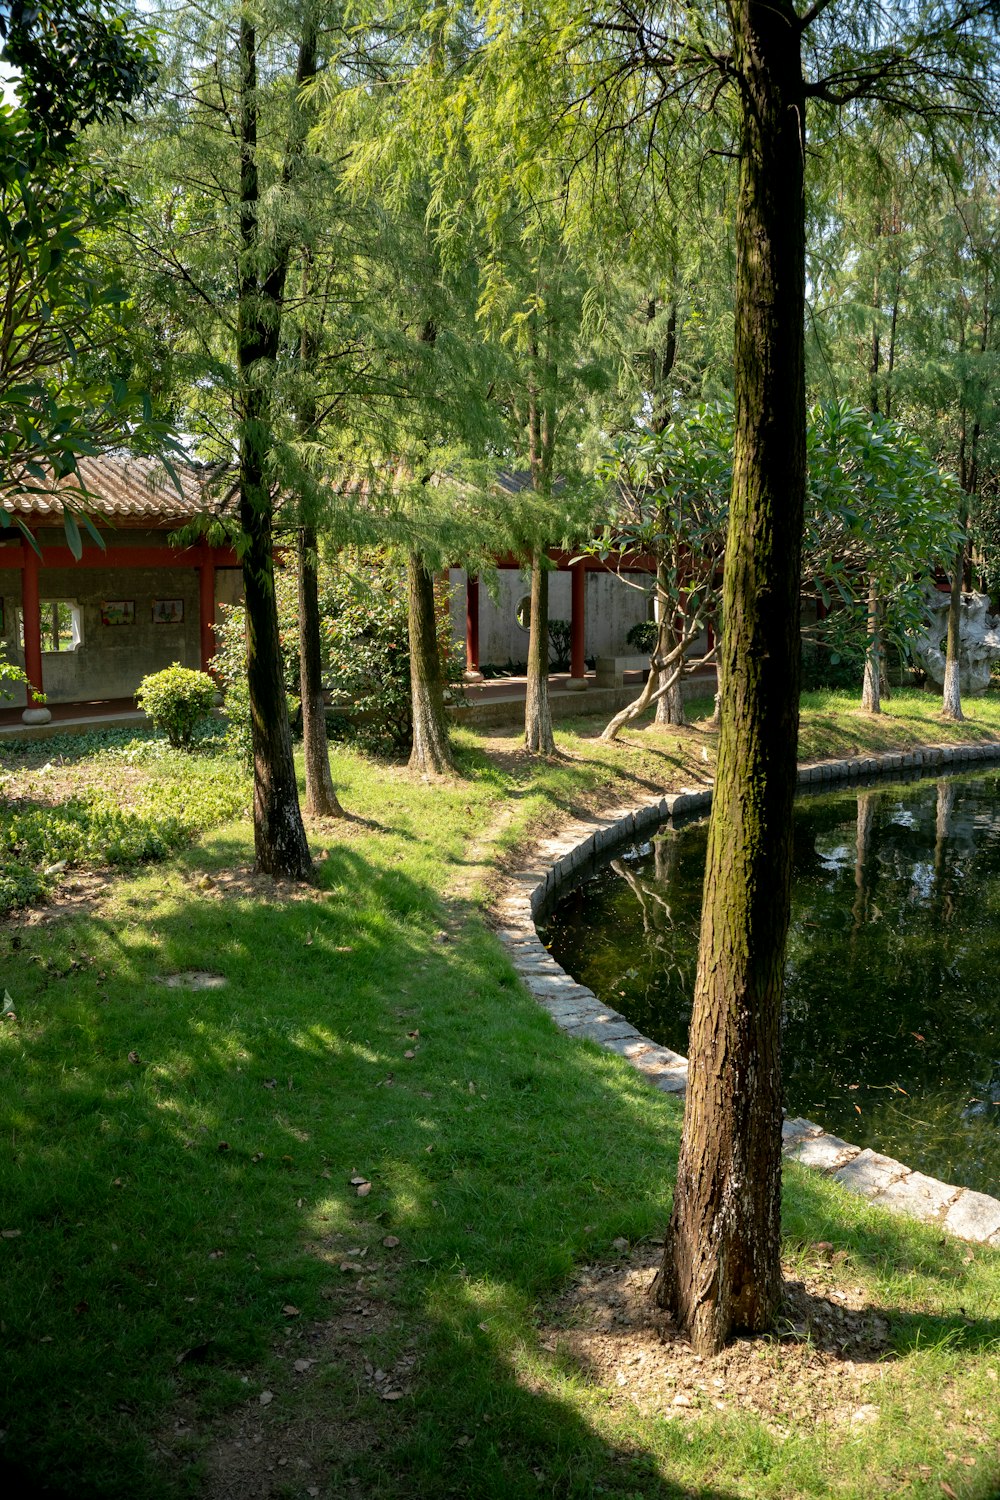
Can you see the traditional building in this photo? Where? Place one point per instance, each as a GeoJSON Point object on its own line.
{"type": "Point", "coordinates": [91, 628]}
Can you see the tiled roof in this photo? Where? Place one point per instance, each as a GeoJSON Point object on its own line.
{"type": "Point", "coordinates": [120, 486]}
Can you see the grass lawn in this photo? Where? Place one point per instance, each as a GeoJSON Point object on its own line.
{"type": "Point", "coordinates": [311, 1231]}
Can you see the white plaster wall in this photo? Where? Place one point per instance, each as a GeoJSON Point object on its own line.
{"type": "Point", "coordinates": [612, 608]}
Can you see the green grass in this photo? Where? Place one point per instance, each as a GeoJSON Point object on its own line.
{"type": "Point", "coordinates": [164, 1212]}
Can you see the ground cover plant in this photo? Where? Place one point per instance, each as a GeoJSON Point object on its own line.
{"type": "Point", "coordinates": [304, 1195]}
{"type": "Point", "coordinates": [76, 802]}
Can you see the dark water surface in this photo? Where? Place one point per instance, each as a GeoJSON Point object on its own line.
{"type": "Point", "coordinates": [892, 1011]}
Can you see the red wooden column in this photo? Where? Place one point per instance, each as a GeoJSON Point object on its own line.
{"type": "Point", "coordinates": [472, 624]}
{"type": "Point", "coordinates": [578, 611]}
{"type": "Point", "coordinates": [206, 596]}
{"type": "Point", "coordinates": [31, 613]}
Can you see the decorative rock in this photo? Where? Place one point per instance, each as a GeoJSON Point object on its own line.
{"type": "Point", "coordinates": [973, 1216]}
{"type": "Point", "coordinates": [796, 1130]}
{"type": "Point", "coordinates": [824, 1152]}
{"type": "Point", "coordinates": [919, 1196]}
{"type": "Point", "coordinates": [869, 1173]}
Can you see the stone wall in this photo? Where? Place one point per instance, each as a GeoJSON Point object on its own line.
{"type": "Point", "coordinates": [111, 660]}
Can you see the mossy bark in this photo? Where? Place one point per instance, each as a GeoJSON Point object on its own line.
{"type": "Point", "coordinates": [721, 1270]}
{"type": "Point", "coordinates": [431, 754]}
{"type": "Point", "coordinates": [321, 798]}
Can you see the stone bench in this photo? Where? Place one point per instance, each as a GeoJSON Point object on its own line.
{"type": "Point", "coordinates": [611, 669]}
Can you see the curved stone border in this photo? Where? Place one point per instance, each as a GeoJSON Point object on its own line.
{"type": "Point", "coordinates": [577, 1010]}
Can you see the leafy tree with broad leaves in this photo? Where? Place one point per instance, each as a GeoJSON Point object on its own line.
{"type": "Point", "coordinates": [877, 506]}
{"type": "Point", "coordinates": [67, 383]}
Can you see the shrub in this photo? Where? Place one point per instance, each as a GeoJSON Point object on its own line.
{"type": "Point", "coordinates": [643, 636]}
{"type": "Point", "coordinates": [366, 648]}
{"type": "Point", "coordinates": [560, 644]}
{"type": "Point", "coordinates": [178, 701]}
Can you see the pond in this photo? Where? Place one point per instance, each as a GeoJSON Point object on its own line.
{"type": "Point", "coordinates": [891, 1027]}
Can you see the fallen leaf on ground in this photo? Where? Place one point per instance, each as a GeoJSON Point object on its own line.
{"type": "Point", "coordinates": [134, 1057]}
{"type": "Point", "coordinates": [390, 1242]}
{"type": "Point", "coordinates": [265, 1398]}
{"type": "Point", "coordinates": [291, 1311]}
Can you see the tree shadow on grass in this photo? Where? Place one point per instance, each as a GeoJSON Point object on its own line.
{"type": "Point", "coordinates": [180, 1176]}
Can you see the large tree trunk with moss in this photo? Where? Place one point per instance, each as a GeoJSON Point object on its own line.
{"type": "Point", "coordinates": [871, 689]}
{"type": "Point", "coordinates": [321, 799]}
{"type": "Point", "coordinates": [538, 736]}
{"type": "Point", "coordinates": [431, 753]}
{"type": "Point", "coordinates": [279, 837]}
{"type": "Point", "coordinates": [721, 1269]}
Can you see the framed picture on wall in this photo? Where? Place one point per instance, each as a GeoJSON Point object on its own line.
{"type": "Point", "coordinates": [168, 611]}
{"type": "Point", "coordinates": [117, 611]}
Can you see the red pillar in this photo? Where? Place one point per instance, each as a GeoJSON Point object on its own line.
{"type": "Point", "coordinates": [32, 615]}
{"type": "Point", "coordinates": [472, 622]}
{"type": "Point", "coordinates": [578, 609]}
{"type": "Point", "coordinates": [206, 595]}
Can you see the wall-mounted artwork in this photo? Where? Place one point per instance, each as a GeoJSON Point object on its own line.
{"type": "Point", "coordinates": [117, 611]}
{"type": "Point", "coordinates": [168, 611]}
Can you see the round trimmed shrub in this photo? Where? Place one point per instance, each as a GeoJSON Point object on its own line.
{"type": "Point", "coordinates": [178, 701]}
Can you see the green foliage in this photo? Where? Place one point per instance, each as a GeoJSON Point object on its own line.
{"type": "Point", "coordinates": [178, 797]}
{"type": "Point", "coordinates": [77, 61]}
{"type": "Point", "coordinates": [178, 700]}
{"type": "Point", "coordinates": [877, 505]}
{"type": "Point", "coordinates": [230, 665]}
{"type": "Point", "coordinates": [367, 651]}
{"type": "Point", "coordinates": [642, 635]}
{"type": "Point", "coordinates": [11, 672]}
{"type": "Point", "coordinates": [560, 640]}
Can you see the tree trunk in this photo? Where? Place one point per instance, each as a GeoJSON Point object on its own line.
{"type": "Point", "coordinates": [951, 706]}
{"type": "Point", "coordinates": [538, 736]}
{"type": "Point", "coordinates": [669, 707]}
{"type": "Point", "coordinates": [722, 1266]}
{"type": "Point", "coordinates": [871, 690]}
{"type": "Point", "coordinates": [321, 799]}
{"type": "Point", "coordinates": [279, 837]}
{"type": "Point", "coordinates": [431, 754]}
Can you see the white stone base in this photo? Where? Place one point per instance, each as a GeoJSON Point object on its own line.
{"type": "Point", "coordinates": [575, 684]}
{"type": "Point", "coordinates": [36, 716]}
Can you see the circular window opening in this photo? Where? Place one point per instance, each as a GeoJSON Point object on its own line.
{"type": "Point", "coordinates": [522, 612]}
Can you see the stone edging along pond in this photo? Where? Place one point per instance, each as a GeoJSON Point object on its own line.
{"type": "Point", "coordinates": [577, 1010]}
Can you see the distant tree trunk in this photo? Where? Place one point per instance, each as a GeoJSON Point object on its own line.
{"type": "Point", "coordinates": [321, 799]}
{"type": "Point", "coordinates": [431, 753]}
{"type": "Point", "coordinates": [538, 736]}
{"type": "Point", "coordinates": [721, 1268]}
{"type": "Point", "coordinates": [951, 706]}
{"type": "Point", "coordinates": [670, 707]}
{"type": "Point", "coordinates": [279, 837]}
{"type": "Point", "coordinates": [871, 691]}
